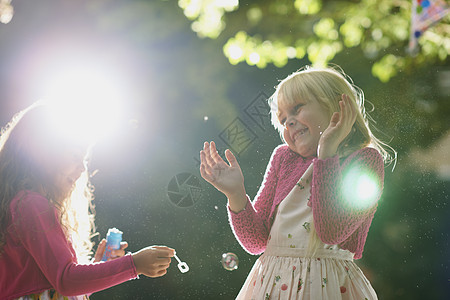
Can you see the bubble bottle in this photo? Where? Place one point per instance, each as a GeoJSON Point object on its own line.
{"type": "Point", "coordinates": [113, 239]}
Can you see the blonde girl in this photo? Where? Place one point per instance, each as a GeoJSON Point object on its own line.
{"type": "Point", "coordinates": [311, 216]}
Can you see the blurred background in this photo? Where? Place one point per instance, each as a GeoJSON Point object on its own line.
{"type": "Point", "coordinates": [184, 72]}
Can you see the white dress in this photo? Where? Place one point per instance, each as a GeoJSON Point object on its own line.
{"type": "Point", "coordinates": [287, 270]}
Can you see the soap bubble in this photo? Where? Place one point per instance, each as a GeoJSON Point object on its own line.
{"type": "Point", "coordinates": [230, 261]}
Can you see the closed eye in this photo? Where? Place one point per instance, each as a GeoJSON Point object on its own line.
{"type": "Point", "coordinates": [281, 118]}
{"type": "Point", "coordinates": [297, 108]}
{"type": "Point", "coordinates": [294, 111]}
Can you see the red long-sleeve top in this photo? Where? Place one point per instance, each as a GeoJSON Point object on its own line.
{"type": "Point", "coordinates": [38, 257]}
{"type": "Point", "coordinates": [341, 214]}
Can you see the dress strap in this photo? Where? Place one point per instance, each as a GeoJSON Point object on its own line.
{"type": "Point", "coordinates": [306, 177]}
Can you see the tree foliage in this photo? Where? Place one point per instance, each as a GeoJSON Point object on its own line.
{"type": "Point", "coordinates": [272, 32]}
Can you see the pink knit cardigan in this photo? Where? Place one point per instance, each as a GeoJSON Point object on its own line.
{"type": "Point", "coordinates": [336, 217]}
{"type": "Point", "coordinates": [38, 257]}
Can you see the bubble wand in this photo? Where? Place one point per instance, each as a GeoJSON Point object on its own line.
{"type": "Point", "coordinates": [182, 266]}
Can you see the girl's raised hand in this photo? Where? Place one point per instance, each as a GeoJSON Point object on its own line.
{"type": "Point", "coordinates": [341, 124]}
{"type": "Point", "coordinates": [227, 178]}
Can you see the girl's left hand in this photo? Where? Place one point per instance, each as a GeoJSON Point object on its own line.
{"type": "Point", "coordinates": [114, 253]}
{"type": "Point", "coordinates": [341, 124]}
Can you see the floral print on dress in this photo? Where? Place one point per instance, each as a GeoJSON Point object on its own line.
{"type": "Point", "coordinates": [277, 278]}
{"type": "Point", "coordinates": [290, 237]}
{"type": "Point", "coordinates": [51, 295]}
{"type": "Point", "coordinates": [301, 186]}
{"type": "Point", "coordinates": [324, 282]}
{"type": "Point", "coordinates": [347, 270]}
{"type": "Point", "coordinates": [289, 277]}
{"type": "Point", "coordinates": [307, 226]}
{"type": "Point", "coordinates": [300, 284]}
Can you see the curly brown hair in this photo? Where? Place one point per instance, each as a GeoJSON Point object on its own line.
{"type": "Point", "coordinates": [31, 149]}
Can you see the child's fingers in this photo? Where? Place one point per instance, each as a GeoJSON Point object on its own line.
{"type": "Point", "coordinates": [211, 154]}
{"type": "Point", "coordinates": [350, 110]}
{"type": "Point", "coordinates": [214, 154]}
{"type": "Point", "coordinates": [117, 253]}
{"type": "Point", "coordinates": [231, 158]}
{"type": "Point", "coordinates": [207, 153]}
{"type": "Point", "coordinates": [163, 262]}
{"type": "Point", "coordinates": [347, 111]}
{"type": "Point", "coordinates": [100, 250]}
{"type": "Point", "coordinates": [212, 148]}
{"type": "Point", "coordinates": [164, 251]}
{"type": "Point", "coordinates": [123, 245]}
{"type": "Point", "coordinates": [203, 160]}
{"type": "Point", "coordinates": [206, 174]}
{"type": "Point", "coordinates": [345, 106]}
{"type": "Point", "coordinates": [203, 172]}
{"type": "Point", "coordinates": [353, 111]}
{"type": "Point", "coordinates": [335, 118]}
{"type": "Point", "coordinates": [161, 273]}
{"type": "Point", "coordinates": [205, 166]}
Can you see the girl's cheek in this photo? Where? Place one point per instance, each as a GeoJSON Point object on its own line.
{"type": "Point", "coordinates": [287, 137]}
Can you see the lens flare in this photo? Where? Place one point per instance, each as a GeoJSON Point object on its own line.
{"type": "Point", "coordinates": [85, 102]}
{"type": "Point", "coordinates": [361, 189]}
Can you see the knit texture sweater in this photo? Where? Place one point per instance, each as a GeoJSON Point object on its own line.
{"type": "Point", "coordinates": [342, 206]}
{"type": "Point", "coordinates": [38, 257]}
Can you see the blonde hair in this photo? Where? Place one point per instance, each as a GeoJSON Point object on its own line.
{"type": "Point", "coordinates": [326, 86]}
{"type": "Point", "coordinates": [31, 151]}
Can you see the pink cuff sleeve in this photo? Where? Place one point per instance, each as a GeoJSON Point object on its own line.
{"type": "Point", "coordinates": [249, 229]}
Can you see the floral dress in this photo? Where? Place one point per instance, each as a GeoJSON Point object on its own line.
{"type": "Point", "coordinates": [51, 295]}
{"type": "Point", "coordinates": [289, 270]}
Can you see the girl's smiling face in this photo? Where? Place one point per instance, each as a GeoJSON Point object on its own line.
{"type": "Point", "coordinates": [303, 121]}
